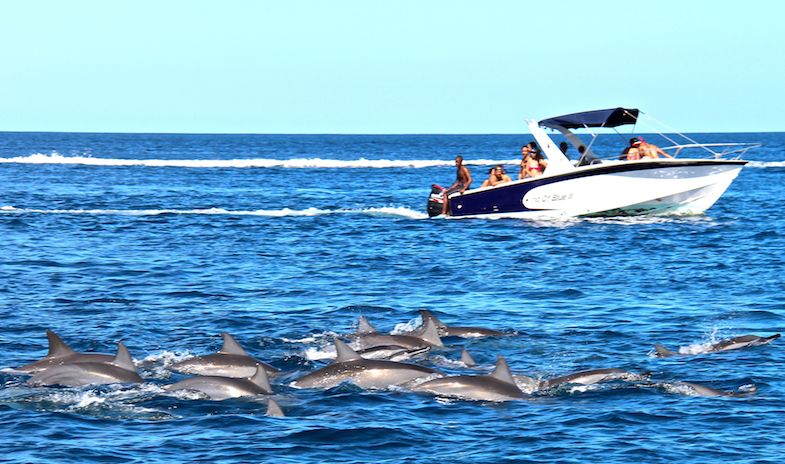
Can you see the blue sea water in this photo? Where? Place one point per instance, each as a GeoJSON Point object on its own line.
{"type": "Point", "coordinates": [165, 241]}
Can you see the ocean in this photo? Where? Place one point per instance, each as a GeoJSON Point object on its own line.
{"type": "Point", "coordinates": [165, 241]}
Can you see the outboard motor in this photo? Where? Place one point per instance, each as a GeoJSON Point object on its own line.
{"type": "Point", "coordinates": [436, 200]}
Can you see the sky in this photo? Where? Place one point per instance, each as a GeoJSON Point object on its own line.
{"type": "Point", "coordinates": [386, 67]}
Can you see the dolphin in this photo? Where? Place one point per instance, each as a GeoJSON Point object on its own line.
{"type": "Point", "coordinates": [221, 388]}
{"type": "Point", "coordinates": [445, 330]}
{"type": "Point", "coordinates": [60, 353]}
{"type": "Point", "coordinates": [695, 389]}
{"type": "Point", "coordinates": [230, 361]}
{"type": "Point", "coordinates": [391, 352]}
{"type": "Point", "coordinates": [594, 376]}
{"type": "Point", "coordinates": [734, 343]}
{"type": "Point", "coordinates": [428, 337]}
{"type": "Point", "coordinates": [273, 409]}
{"type": "Point", "coordinates": [499, 385]}
{"type": "Point", "coordinates": [120, 370]}
{"type": "Point", "coordinates": [349, 366]}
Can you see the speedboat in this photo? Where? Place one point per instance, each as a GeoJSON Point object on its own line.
{"type": "Point", "coordinates": [603, 186]}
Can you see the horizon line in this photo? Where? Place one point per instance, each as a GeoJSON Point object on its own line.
{"type": "Point", "coordinates": [353, 133]}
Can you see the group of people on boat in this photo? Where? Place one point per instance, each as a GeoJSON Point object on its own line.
{"type": "Point", "coordinates": [640, 149]}
{"type": "Point", "coordinates": [533, 164]}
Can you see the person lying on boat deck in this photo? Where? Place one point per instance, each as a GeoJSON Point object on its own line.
{"type": "Point", "coordinates": [463, 179]}
{"type": "Point", "coordinates": [533, 166]}
{"type": "Point", "coordinates": [651, 151]}
{"type": "Point", "coordinates": [497, 176]}
{"type": "Point", "coordinates": [632, 152]}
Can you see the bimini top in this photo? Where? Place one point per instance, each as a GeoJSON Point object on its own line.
{"type": "Point", "coordinates": [599, 118]}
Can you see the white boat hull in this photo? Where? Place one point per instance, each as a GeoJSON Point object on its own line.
{"type": "Point", "coordinates": [616, 188]}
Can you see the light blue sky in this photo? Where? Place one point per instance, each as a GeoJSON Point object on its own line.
{"type": "Point", "coordinates": [386, 67]}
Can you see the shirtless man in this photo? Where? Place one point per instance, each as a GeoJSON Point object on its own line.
{"type": "Point", "coordinates": [463, 179]}
{"type": "Point", "coordinates": [632, 152]}
{"type": "Point", "coordinates": [651, 151]}
{"type": "Point", "coordinates": [498, 176]}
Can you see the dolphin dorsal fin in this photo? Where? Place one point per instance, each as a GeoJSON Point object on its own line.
{"type": "Point", "coordinates": [364, 327]}
{"type": "Point", "coordinates": [425, 314]}
{"type": "Point", "coordinates": [123, 358]}
{"type": "Point", "coordinates": [502, 371]}
{"type": "Point", "coordinates": [430, 333]}
{"type": "Point", "coordinates": [57, 347]}
{"type": "Point", "coordinates": [467, 359]}
{"type": "Point", "coordinates": [345, 353]}
{"type": "Point", "coordinates": [273, 409]}
{"type": "Point", "coordinates": [260, 378]}
{"type": "Point", "coordinates": [663, 352]}
{"type": "Point", "coordinates": [231, 346]}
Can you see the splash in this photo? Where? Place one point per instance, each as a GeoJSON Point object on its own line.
{"type": "Point", "coordinates": [295, 163]}
{"type": "Point", "coordinates": [766, 164]}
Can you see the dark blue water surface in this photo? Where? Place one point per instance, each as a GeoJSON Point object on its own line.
{"type": "Point", "coordinates": [165, 241]}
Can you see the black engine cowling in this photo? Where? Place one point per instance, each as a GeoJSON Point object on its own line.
{"type": "Point", "coordinates": [436, 200]}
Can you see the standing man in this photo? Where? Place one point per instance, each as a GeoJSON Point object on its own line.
{"type": "Point", "coordinates": [463, 179]}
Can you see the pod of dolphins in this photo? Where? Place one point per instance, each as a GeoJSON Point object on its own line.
{"type": "Point", "coordinates": [373, 363]}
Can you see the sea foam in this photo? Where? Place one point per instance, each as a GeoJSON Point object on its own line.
{"type": "Point", "coordinates": [295, 163]}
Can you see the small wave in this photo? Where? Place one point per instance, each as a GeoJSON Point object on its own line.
{"type": "Point", "coordinates": [320, 354]}
{"type": "Point", "coordinates": [296, 163]}
{"type": "Point", "coordinates": [766, 164]}
{"type": "Point", "coordinates": [391, 211]}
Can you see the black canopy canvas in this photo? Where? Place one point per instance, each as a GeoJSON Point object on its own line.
{"type": "Point", "coordinates": [600, 118]}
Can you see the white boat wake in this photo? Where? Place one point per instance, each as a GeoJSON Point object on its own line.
{"type": "Point", "coordinates": [390, 211]}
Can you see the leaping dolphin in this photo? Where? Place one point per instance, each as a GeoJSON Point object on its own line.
{"type": "Point", "coordinates": [367, 337]}
{"type": "Point", "coordinates": [445, 330]}
{"type": "Point", "coordinates": [221, 388]}
{"type": "Point", "coordinates": [734, 343]}
{"type": "Point", "coordinates": [120, 370]}
{"type": "Point", "coordinates": [230, 361]}
{"type": "Point", "coordinates": [594, 376]}
{"type": "Point", "coordinates": [365, 373]}
{"type": "Point", "coordinates": [499, 385]}
{"type": "Point", "coordinates": [60, 353]}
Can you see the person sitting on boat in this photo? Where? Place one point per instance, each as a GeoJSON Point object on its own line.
{"type": "Point", "coordinates": [651, 151]}
{"type": "Point", "coordinates": [632, 152]}
{"type": "Point", "coordinates": [563, 147]}
{"type": "Point", "coordinates": [585, 159]}
{"type": "Point", "coordinates": [533, 165]}
{"type": "Point", "coordinates": [499, 176]}
{"type": "Point", "coordinates": [463, 179]}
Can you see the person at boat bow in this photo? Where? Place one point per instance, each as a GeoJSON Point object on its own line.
{"type": "Point", "coordinates": [632, 152]}
{"type": "Point", "coordinates": [651, 151]}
